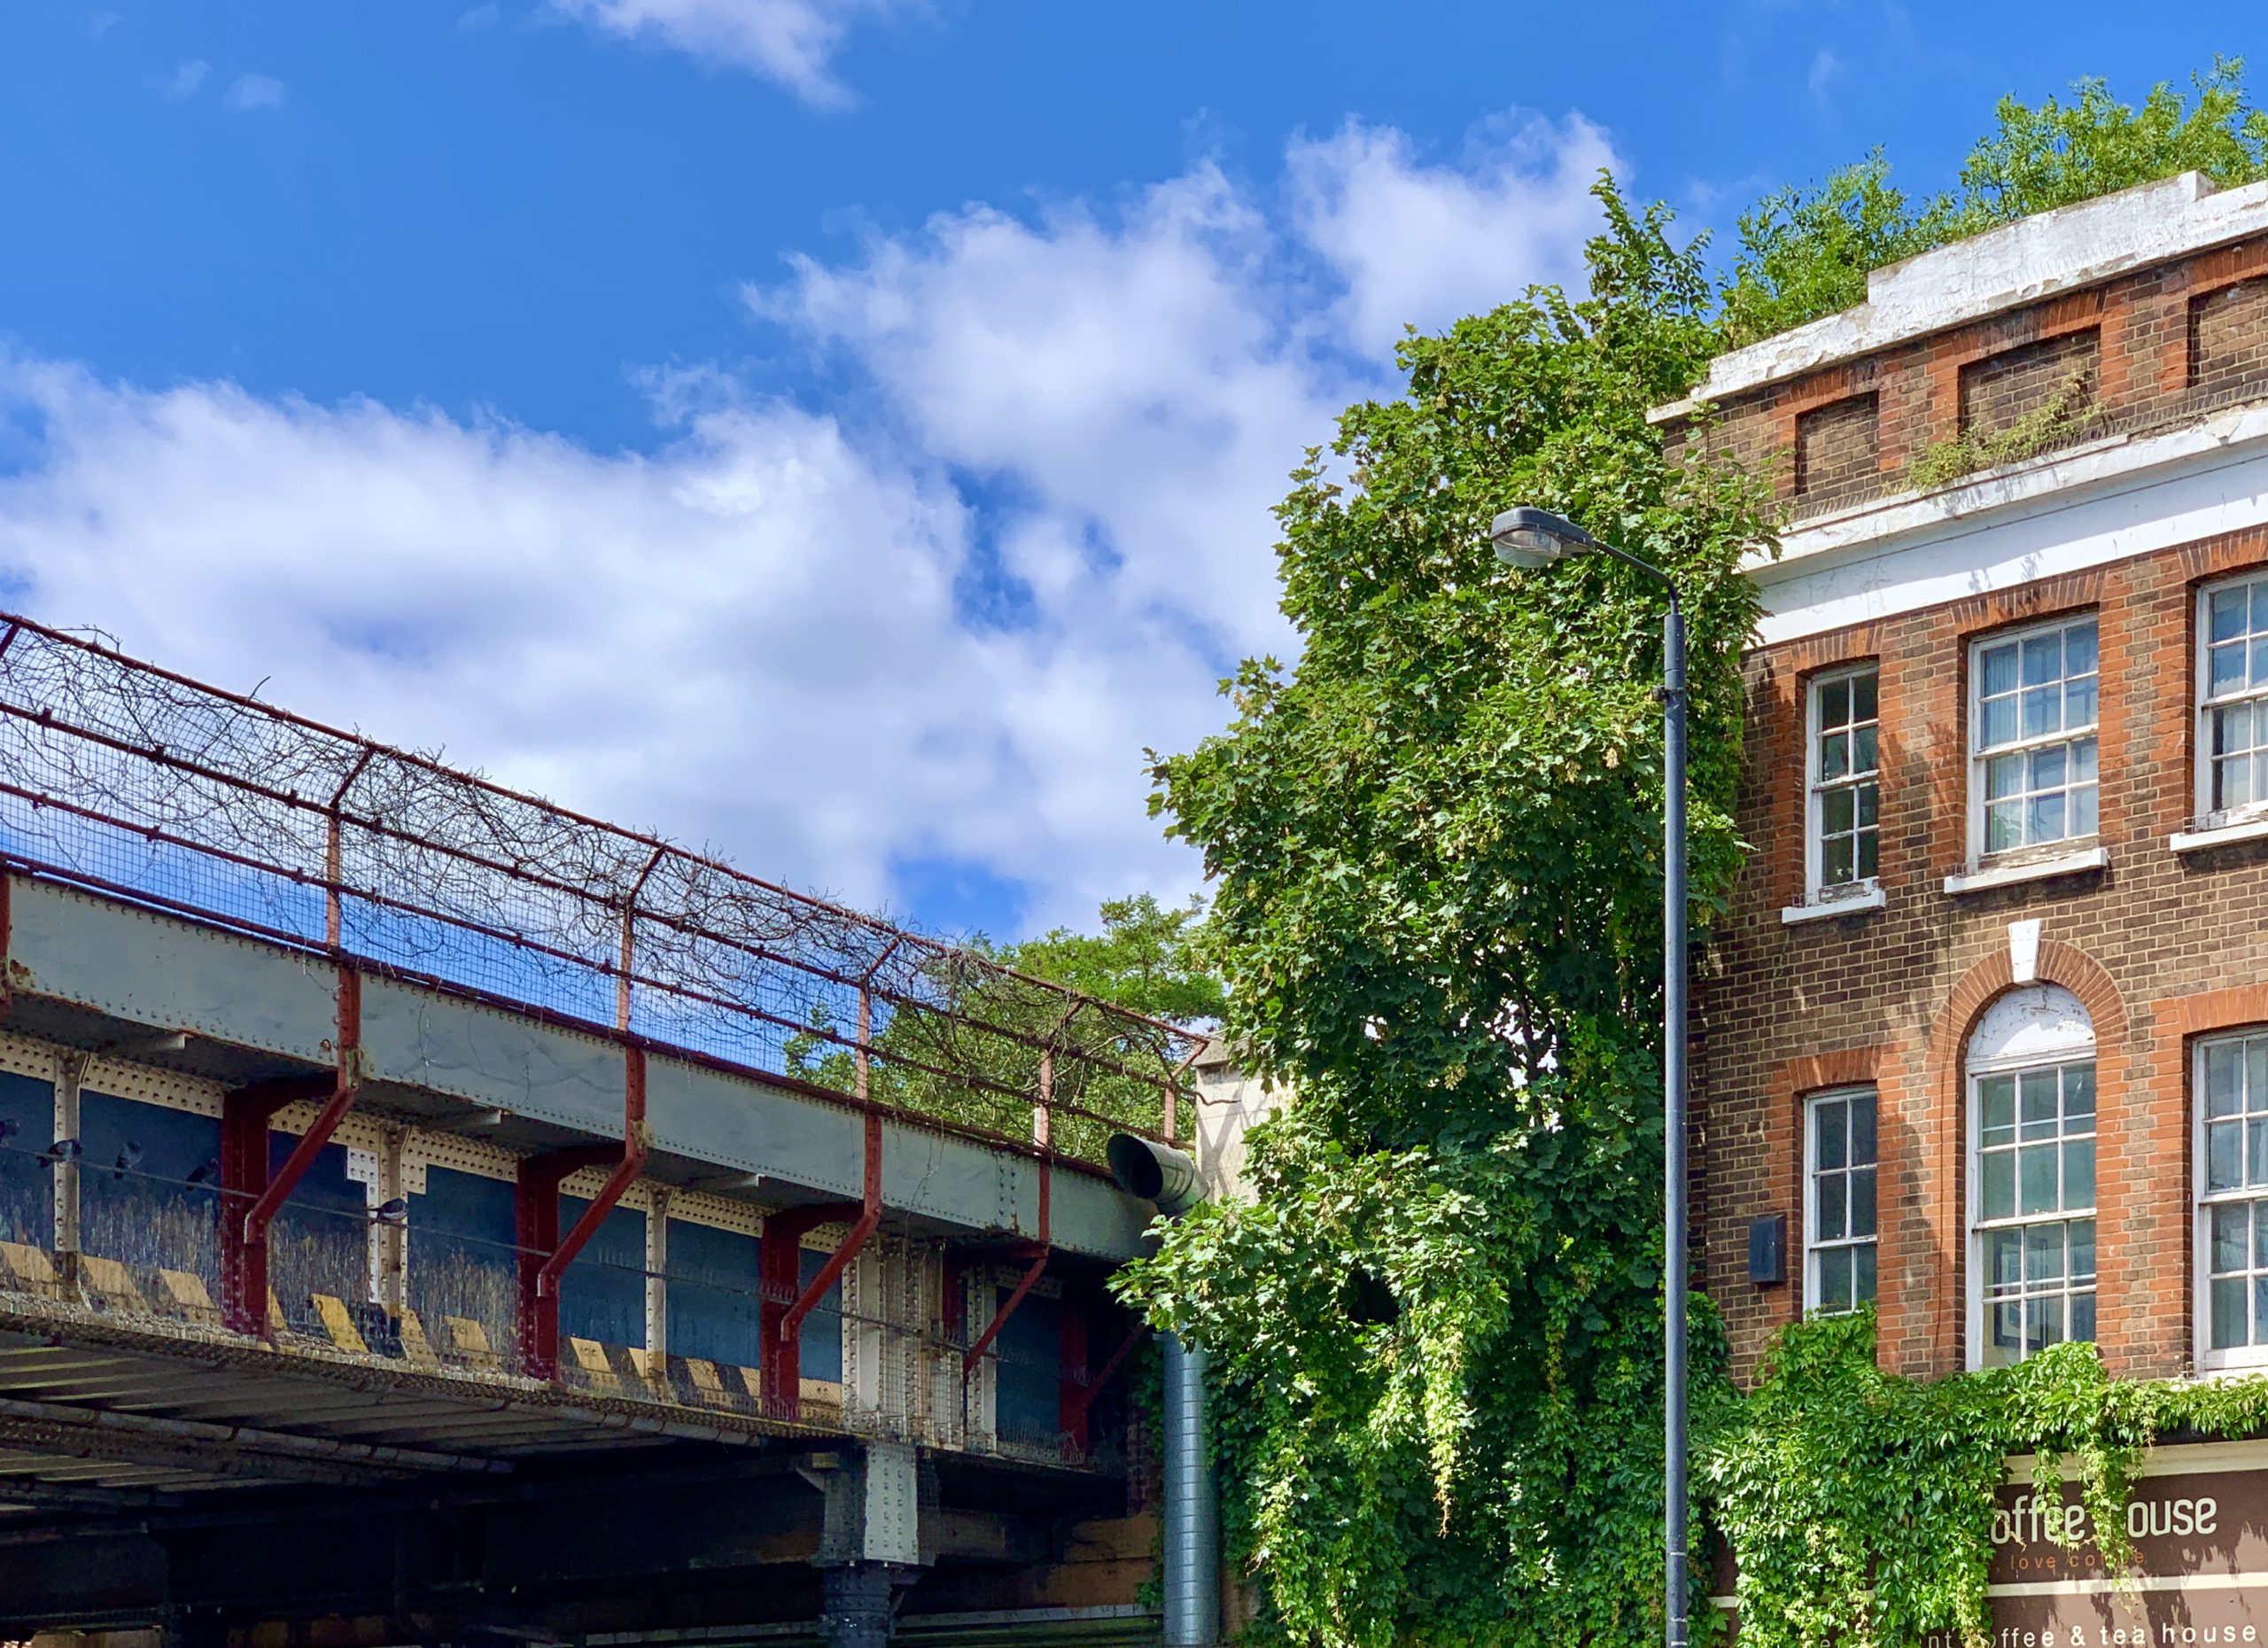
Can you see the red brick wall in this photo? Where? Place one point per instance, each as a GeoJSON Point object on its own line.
{"type": "Point", "coordinates": [2165, 339]}
{"type": "Point", "coordinates": [2160, 947]}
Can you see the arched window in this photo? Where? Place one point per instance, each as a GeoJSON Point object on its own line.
{"type": "Point", "coordinates": [2031, 1133]}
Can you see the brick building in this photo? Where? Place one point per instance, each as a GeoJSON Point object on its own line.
{"type": "Point", "coordinates": [1988, 1029]}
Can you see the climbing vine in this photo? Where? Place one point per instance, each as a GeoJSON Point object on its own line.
{"type": "Point", "coordinates": [1861, 1503]}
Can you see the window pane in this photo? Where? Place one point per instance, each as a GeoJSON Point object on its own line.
{"type": "Point", "coordinates": [2043, 658]}
{"type": "Point", "coordinates": [2038, 1089]}
{"type": "Point", "coordinates": [2259, 1238]}
{"type": "Point", "coordinates": [2006, 1267]}
{"type": "Point", "coordinates": [2233, 728]}
{"type": "Point", "coordinates": [1869, 804]}
{"type": "Point", "coordinates": [2003, 825]}
{"type": "Point", "coordinates": [2231, 1237]}
{"type": "Point", "coordinates": [1835, 755]}
{"type": "Point", "coordinates": [2043, 1321]}
{"type": "Point", "coordinates": [1836, 810]}
{"type": "Point", "coordinates": [2260, 605]}
{"type": "Point", "coordinates": [2083, 760]}
{"type": "Point", "coordinates": [1997, 1097]}
{"type": "Point", "coordinates": [2229, 1326]}
{"type": "Point", "coordinates": [2079, 649]}
{"type": "Point", "coordinates": [2231, 783]}
{"type": "Point", "coordinates": [1862, 749]}
{"type": "Point", "coordinates": [2259, 1308]}
{"type": "Point", "coordinates": [2043, 1254]}
{"type": "Point", "coordinates": [2259, 659]}
{"type": "Point", "coordinates": [1870, 855]}
{"type": "Point", "coordinates": [2043, 710]}
{"type": "Point", "coordinates": [2255, 1073]}
{"type": "Point", "coordinates": [1862, 1125]}
{"type": "Point", "coordinates": [1837, 861]}
{"type": "Point", "coordinates": [2225, 1155]}
{"type": "Point", "coordinates": [2256, 1153]}
{"type": "Point", "coordinates": [2224, 670]}
{"type": "Point", "coordinates": [2228, 612]}
{"type": "Point", "coordinates": [2083, 819]}
{"type": "Point", "coordinates": [2079, 1095]}
{"type": "Point", "coordinates": [2078, 1173]}
{"type": "Point", "coordinates": [2082, 1317]}
{"type": "Point", "coordinates": [1828, 1132]}
{"type": "Point", "coordinates": [1833, 1225]}
{"type": "Point", "coordinates": [2003, 776]}
{"type": "Point", "coordinates": [2045, 818]}
{"type": "Point", "coordinates": [1863, 1203]}
{"type": "Point", "coordinates": [2035, 1180]}
{"type": "Point", "coordinates": [1862, 697]}
{"type": "Point", "coordinates": [1834, 703]}
{"type": "Point", "coordinates": [1998, 665]}
{"type": "Point", "coordinates": [2082, 1234]}
{"type": "Point", "coordinates": [1834, 1278]}
{"type": "Point", "coordinates": [1999, 725]}
{"type": "Point", "coordinates": [2079, 703]}
{"type": "Point", "coordinates": [2008, 1331]}
{"type": "Point", "coordinates": [1863, 1272]}
{"type": "Point", "coordinates": [2048, 767]}
{"type": "Point", "coordinates": [1998, 1190]}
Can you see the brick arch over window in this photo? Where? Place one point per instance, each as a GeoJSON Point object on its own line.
{"type": "Point", "coordinates": [1926, 1230]}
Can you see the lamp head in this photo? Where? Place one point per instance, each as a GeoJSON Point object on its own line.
{"type": "Point", "coordinates": [1531, 538]}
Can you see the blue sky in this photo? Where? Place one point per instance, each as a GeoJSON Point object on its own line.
{"type": "Point", "coordinates": [838, 431]}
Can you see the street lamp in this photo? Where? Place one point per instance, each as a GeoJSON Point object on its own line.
{"type": "Point", "coordinates": [1535, 537]}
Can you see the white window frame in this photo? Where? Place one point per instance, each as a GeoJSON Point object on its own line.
{"type": "Point", "coordinates": [2201, 757]}
{"type": "Point", "coordinates": [1813, 1246]}
{"type": "Point", "coordinates": [2201, 1260]}
{"type": "Point", "coordinates": [1973, 1073]}
{"type": "Point", "coordinates": [1975, 733]}
{"type": "Point", "coordinates": [1815, 889]}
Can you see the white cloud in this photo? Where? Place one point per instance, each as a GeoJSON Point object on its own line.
{"type": "Point", "coordinates": [792, 42]}
{"type": "Point", "coordinates": [1826, 69]}
{"type": "Point", "coordinates": [186, 80]}
{"type": "Point", "coordinates": [942, 622]}
{"type": "Point", "coordinates": [479, 17]}
{"type": "Point", "coordinates": [1423, 244]}
{"type": "Point", "coordinates": [254, 91]}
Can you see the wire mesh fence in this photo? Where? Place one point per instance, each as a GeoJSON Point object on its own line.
{"type": "Point", "coordinates": [132, 781]}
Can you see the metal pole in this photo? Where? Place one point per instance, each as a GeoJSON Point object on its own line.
{"type": "Point", "coordinates": [1676, 1266]}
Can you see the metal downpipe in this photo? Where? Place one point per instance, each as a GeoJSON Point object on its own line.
{"type": "Point", "coordinates": [1158, 1173]}
{"type": "Point", "coordinates": [1193, 1510]}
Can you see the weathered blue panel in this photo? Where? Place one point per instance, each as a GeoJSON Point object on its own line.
{"type": "Point", "coordinates": [135, 1204]}
{"type": "Point", "coordinates": [602, 1295]}
{"type": "Point", "coordinates": [1029, 1382]}
{"type": "Point", "coordinates": [462, 1261]}
{"type": "Point", "coordinates": [27, 1199]}
{"type": "Point", "coordinates": [320, 1241]}
{"type": "Point", "coordinates": [823, 1327]}
{"type": "Point", "coordinates": [714, 1305]}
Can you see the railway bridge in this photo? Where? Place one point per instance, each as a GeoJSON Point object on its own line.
{"type": "Point", "coordinates": [430, 1216]}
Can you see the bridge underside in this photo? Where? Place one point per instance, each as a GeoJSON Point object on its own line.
{"type": "Point", "coordinates": [375, 1446]}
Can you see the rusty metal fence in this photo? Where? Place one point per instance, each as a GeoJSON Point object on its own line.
{"type": "Point", "coordinates": [134, 781]}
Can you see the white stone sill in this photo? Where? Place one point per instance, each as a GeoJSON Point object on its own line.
{"type": "Point", "coordinates": [2036, 870]}
{"type": "Point", "coordinates": [1853, 903]}
{"type": "Point", "coordinates": [2219, 835]}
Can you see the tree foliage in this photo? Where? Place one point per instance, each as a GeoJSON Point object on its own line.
{"type": "Point", "coordinates": [1437, 857]}
{"type": "Point", "coordinates": [1807, 251]}
{"type": "Point", "coordinates": [1147, 958]}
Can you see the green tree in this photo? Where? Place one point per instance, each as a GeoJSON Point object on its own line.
{"type": "Point", "coordinates": [1147, 960]}
{"type": "Point", "coordinates": [1807, 251]}
{"type": "Point", "coordinates": [1437, 858]}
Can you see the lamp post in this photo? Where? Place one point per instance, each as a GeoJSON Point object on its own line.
{"type": "Point", "coordinates": [1534, 538]}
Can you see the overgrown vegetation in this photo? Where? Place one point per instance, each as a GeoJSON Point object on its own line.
{"type": "Point", "coordinates": [1807, 251]}
{"type": "Point", "coordinates": [2065, 416]}
{"type": "Point", "coordinates": [1435, 850]}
